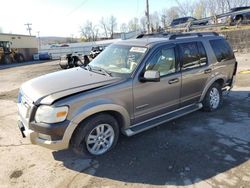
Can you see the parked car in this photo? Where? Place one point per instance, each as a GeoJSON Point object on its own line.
{"type": "Point", "coordinates": [242, 16]}
{"type": "Point", "coordinates": [132, 86]}
{"type": "Point", "coordinates": [44, 56]}
{"type": "Point", "coordinates": [95, 51]}
{"type": "Point", "coordinates": [64, 45]}
{"type": "Point", "coordinates": [183, 20]}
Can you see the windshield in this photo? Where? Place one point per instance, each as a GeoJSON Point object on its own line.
{"type": "Point", "coordinates": [119, 59]}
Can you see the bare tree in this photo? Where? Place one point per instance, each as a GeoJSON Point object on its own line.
{"type": "Point", "coordinates": [200, 9]}
{"type": "Point", "coordinates": [133, 25]}
{"type": "Point", "coordinates": [89, 32]}
{"type": "Point", "coordinates": [108, 25]}
{"type": "Point", "coordinates": [168, 15]}
{"type": "Point", "coordinates": [154, 21]}
{"type": "Point", "coordinates": [104, 26]}
{"type": "Point", "coordinates": [124, 28]}
{"type": "Point", "coordinates": [112, 25]}
{"type": "Point", "coordinates": [185, 7]}
{"type": "Point", "coordinates": [143, 23]}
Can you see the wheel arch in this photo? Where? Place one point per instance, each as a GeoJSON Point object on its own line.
{"type": "Point", "coordinates": [117, 111]}
{"type": "Point", "coordinates": [238, 17]}
{"type": "Point", "coordinates": [219, 79]}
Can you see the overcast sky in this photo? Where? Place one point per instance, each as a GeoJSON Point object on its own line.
{"type": "Point", "coordinates": [64, 17]}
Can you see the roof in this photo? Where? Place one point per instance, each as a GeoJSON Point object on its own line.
{"type": "Point", "coordinates": [239, 8]}
{"type": "Point", "coordinates": [142, 41]}
{"type": "Point", "coordinates": [154, 38]}
{"type": "Point", "coordinates": [186, 17]}
{"type": "Point", "coordinates": [18, 35]}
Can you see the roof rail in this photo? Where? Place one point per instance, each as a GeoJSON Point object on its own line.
{"type": "Point", "coordinates": [199, 34]}
{"type": "Point", "coordinates": [151, 35]}
{"type": "Point", "coordinates": [173, 36]}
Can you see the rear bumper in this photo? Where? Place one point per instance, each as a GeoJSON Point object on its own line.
{"type": "Point", "coordinates": [41, 139]}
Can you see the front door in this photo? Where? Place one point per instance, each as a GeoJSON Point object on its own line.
{"type": "Point", "coordinates": [152, 99]}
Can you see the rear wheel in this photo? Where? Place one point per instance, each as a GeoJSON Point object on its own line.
{"type": "Point", "coordinates": [96, 136]}
{"type": "Point", "coordinates": [239, 19]}
{"type": "Point", "coordinates": [213, 98]}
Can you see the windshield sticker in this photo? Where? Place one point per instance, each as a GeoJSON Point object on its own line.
{"type": "Point", "coordinates": [138, 49]}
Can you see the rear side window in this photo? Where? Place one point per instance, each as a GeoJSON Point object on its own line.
{"type": "Point", "coordinates": [221, 49]}
{"type": "Point", "coordinates": [193, 55]}
{"type": "Point", "coordinates": [203, 55]}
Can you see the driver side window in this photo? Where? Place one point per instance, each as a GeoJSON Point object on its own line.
{"type": "Point", "coordinates": [163, 61]}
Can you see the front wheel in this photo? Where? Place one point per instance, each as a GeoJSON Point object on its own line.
{"type": "Point", "coordinates": [19, 58]}
{"type": "Point", "coordinates": [213, 98]}
{"type": "Point", "coordinates": [96, 136]}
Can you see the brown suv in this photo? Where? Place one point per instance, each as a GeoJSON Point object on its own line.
{"type": "Point", "coordinates": [132, 86]}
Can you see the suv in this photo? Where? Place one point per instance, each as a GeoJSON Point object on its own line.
{"type": "Point", "coordinates": [132, 86]}
{"type": "Point", "coordinates": [241, 16]}
{"type": "Point", "coordinates": [187, 19]}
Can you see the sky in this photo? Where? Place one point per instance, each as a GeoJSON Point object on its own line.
{"type": "Point", "coordinates": [65, 17]}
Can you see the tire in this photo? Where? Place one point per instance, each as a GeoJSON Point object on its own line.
{"type": "Point", "coordinates": [239, 19]}
{"type": "Point", "coordinates": [7, 59]}
{"type": "Point", "coordinates": [63, 65]}
{"type": "Point", "coordinates": [85, 139]}
{"type": "Point", "coordinates": [71, 63]}
{"type": "Point", "coordinates": [19, 58]}
{"type": "Point", "coordinates": [213, 98]}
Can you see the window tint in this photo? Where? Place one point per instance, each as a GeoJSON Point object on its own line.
{"type": "Point", "coordinates": [222, 50]}
{"type": "Point", "coordinates": [191, 55]}
{"type": "Point", "coordinates": [203, 55]}
{"type": "Point", "coordinates": [163, 61]}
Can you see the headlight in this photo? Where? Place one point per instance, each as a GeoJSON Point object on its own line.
{"type": "Point", "coordinates": [48, 114]}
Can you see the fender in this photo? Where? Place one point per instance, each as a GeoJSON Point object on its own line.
{"type": "Point", "coordinates": [91, 111]}
{"type": "Point", "coordinates": [208, 85]}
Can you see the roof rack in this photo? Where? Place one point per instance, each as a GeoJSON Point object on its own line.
{"type": "Point", "coordinates": [152, 35]}
{"type": "Point", "coordinates": [173, 36]}
{"type": "Point", "coordinates": [199, 34]}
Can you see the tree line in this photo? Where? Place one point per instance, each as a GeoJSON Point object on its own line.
{"type": "Point", "coordinates": [106, 27]}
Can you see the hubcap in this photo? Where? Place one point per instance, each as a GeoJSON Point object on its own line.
{"type": "Point", "coordinates": [100, 139]}
{"type": "Point", "coordinates": [214, 98]}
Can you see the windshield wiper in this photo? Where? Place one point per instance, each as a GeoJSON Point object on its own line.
{"type": "Point", "coordinates": [99, 69]}
{"type": "Point", "coordinates": [87, 67]}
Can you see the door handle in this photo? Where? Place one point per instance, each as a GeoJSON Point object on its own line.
{"type": "Point", "coordinates": [175, 80]}
{"type": "Point", "coordinates": [207, 71]}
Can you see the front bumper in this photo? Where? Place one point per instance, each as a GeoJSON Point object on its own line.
{"type": "Point", "coordinates": [38, 139]}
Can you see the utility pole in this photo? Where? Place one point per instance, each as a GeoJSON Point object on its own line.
{"type": "Point", "coordinates": [39, 40]}
{"type": "Point", "coordinates": [28, 27]}
{"type": "Point", "coordinates": [147, 15]}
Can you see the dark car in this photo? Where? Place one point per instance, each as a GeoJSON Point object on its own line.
{"type": "Point", "coordinates": [241, 16]}
{"type": "Point", "coordinates": [186, 20]}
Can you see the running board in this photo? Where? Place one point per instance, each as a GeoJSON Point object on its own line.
{"type": "Point", "coordinates": [148, 124]}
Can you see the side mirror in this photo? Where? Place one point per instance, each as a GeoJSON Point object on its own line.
{"type": "Point", "coordinates": [151, 76]}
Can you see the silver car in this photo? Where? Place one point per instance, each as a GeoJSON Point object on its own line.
{"type": "Point", "coordinates": [132, 86]}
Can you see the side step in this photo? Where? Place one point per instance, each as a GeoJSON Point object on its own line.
{"type": "Point", "coordinates": [148, 124]}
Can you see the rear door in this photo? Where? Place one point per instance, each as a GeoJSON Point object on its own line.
{"type": "Point", "coordinates": [195, 71]}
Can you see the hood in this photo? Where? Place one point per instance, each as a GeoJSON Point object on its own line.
{"type": "Point", "coordinates": [48, 88]}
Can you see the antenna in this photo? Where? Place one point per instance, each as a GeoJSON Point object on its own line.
{"type": "Point", "coordinates": [28, 27]}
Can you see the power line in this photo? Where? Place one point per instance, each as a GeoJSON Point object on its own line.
{"type": "Point", "coordinates": [76, 8]}
{"type": "Point", "coordinates": [28, 27]}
